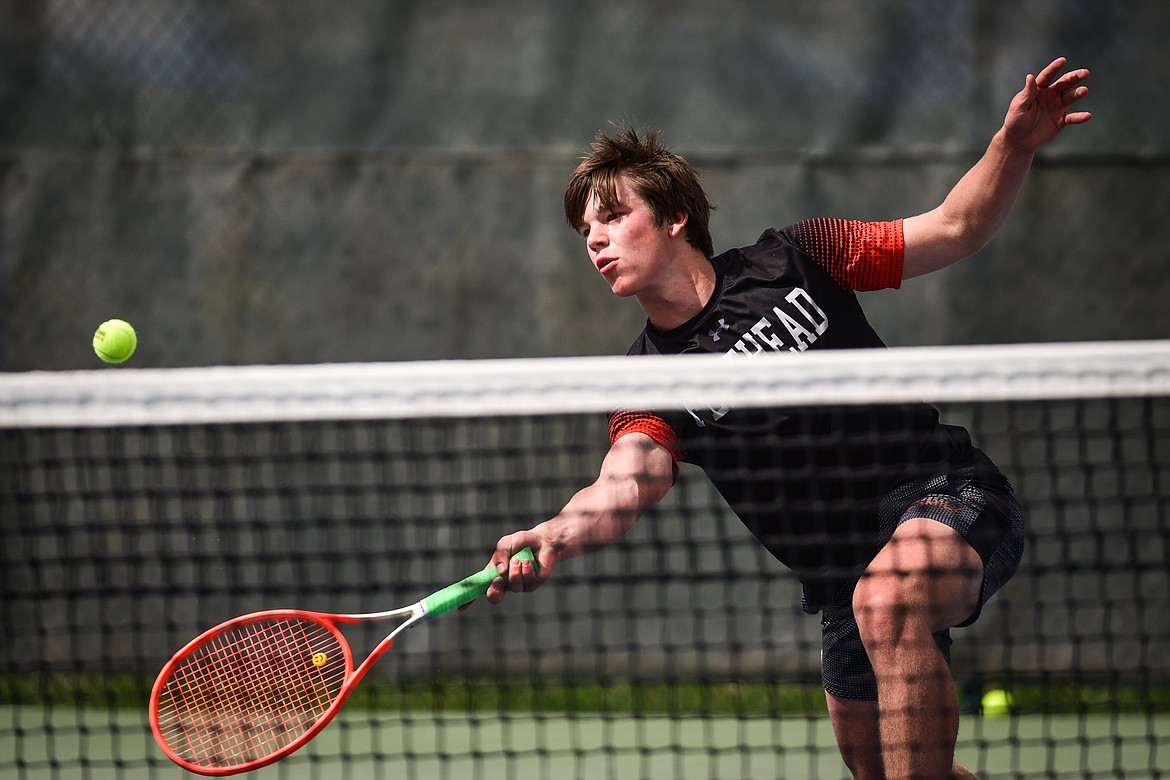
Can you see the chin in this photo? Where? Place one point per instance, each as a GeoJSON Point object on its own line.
{"type": "Point", "coordinates": [622, 290]}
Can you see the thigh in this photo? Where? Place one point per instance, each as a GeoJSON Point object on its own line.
{"type": "Point", "coordinates": [926, 571]}
{"type": "Point", "coordinates": [979, 504]}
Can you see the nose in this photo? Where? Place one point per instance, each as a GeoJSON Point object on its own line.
{"type": "Point", "coordinates": [598, 239]}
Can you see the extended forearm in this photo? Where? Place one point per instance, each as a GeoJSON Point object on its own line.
{"type": "Point", "coordinates": [596, 516]}
{"type": "Point", "coordinates": [981, 201]}
{"type": "Point", "coordinates": [972, 212]}
{"type": "Point", "coordinates": [636, 473]}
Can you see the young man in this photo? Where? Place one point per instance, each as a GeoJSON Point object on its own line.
{"type": "Point", "coordinates": [897, 526]}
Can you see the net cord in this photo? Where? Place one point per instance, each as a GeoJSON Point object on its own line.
{"type": "Point", "coordinates": [485, 388]}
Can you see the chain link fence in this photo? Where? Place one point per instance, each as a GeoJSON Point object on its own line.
{"type": "Point", "coordinates": [255, 182]}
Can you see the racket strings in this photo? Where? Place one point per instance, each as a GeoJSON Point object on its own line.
{"type": "Point", "coordinates": [251, 690]}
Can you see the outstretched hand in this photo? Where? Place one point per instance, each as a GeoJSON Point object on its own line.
{"type": "Point", "coordinates": [1040, 111]}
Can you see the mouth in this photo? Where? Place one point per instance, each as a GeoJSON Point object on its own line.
{"type": "Point", "coordinates": [605, 263]}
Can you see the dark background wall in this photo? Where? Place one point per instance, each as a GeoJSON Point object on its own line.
{"type": "Point", "coordinates": [308, 181]}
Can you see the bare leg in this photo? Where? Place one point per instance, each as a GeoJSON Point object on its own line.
{"type": "Point", "coordinates": [855, 723]}
{"type": "Point", "coordinates": [926, 579]}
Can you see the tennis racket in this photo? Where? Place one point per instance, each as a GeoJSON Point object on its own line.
{"type": "Point", "coordinates": [256, 688]}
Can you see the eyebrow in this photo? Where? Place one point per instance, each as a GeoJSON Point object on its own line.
{"type": "Point", "coordinates": [601, 210]}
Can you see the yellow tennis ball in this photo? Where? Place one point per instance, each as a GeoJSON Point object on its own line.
{"type": "Point", "coordinates": [996, 704]}
{"type": "Point", "coordinates": [115, 341]}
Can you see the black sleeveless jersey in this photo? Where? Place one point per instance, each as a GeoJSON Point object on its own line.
{"type": "Point", "coordinates": [807, 482]}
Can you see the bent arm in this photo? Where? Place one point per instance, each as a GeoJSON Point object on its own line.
{"type": "Point", "coordinates": [981, 201]}
{"type": "Point", "coordinates": [636, 473]}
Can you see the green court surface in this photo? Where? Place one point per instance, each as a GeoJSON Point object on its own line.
{"type": "Point", "coordinates": [52, 743]}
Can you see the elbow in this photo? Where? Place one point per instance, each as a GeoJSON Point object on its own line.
{"type": "Point", "coordinates": [965, 235]}
{"type": "Point", "coordinates": [946, 242]}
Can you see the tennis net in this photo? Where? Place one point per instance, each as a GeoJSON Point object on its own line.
{"type": "Point", "coordinates": [140, 507]}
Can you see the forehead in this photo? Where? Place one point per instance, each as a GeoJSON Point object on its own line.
{"type": "Point", "coordinates": [610, 194]}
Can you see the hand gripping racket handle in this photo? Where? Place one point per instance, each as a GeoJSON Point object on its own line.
{"type": "Point", "coordinates": [469, 588]}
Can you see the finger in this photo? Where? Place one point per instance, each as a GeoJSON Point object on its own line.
{"type": "Point", "coordinates": [1077, 118]}
{"type": "Point", "coordinates": [495, 592]}
{"type": "Point", "coordinates": [499, 560]}
{"type": "Point", "coordinates": [505, 549]}
{"type": "Point", "coordinates": [1068, 81]}
{"type": "Point", "coordinates": [545, 561]}
{"type": "Point", "coordinates": [1073, 95]}
{"type": "Point", "coordinates": [521, 575]}
{"type": "Point", "coordinates": [1030, 87]}
{"type": "Point", "coordinates": [1048, 75]}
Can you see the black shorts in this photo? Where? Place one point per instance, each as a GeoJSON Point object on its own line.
{"type": "Point", "coordinates": [976, 501]}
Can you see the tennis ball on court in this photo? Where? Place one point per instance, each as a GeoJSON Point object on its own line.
{"type": "Point", "coordinates": [996, 704]}
{"type": "Point", "coordinates": [114, 341]}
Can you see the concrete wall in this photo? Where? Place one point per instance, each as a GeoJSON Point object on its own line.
{"type": "Point", "coordinates": [308, 181]}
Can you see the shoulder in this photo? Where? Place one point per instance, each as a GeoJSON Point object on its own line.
{"type": "Point", "coordinates": [774, 255]}
{"type": "Point", "coordinates": [860, 256]}
{"type": "Point", "coordinates": [774, 246]}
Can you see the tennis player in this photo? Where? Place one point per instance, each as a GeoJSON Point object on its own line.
{"type": "Point", "coordinates": [898, 528]}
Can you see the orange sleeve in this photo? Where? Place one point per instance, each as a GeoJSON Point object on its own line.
{"type": "Point", "coordinates": [658, 429]}
{"type": "Point", "coordinates": [860, 256]}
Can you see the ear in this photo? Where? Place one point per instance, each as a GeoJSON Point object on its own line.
{"type": "Point", "coordinates": [677, 224]}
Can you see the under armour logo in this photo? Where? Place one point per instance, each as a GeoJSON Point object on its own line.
{"type": "Point", "coordinates": [714, 334]}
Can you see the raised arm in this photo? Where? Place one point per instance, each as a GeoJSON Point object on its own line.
{"type": "Point", "coordinates": [979, 204]}
{"type": "Point", "coordinates": [636, 473]}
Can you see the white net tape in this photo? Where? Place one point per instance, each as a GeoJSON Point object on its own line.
{"type": "Point", "coordinates": [474, 388]}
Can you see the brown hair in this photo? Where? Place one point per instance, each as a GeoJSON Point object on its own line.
{"type": "Point", "coordinates": [667, 182]}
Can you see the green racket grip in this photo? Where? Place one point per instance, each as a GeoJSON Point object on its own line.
{"type": "Point", "coordinates": [470, 588]}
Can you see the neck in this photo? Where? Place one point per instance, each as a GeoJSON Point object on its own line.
{"type": "Point", "coordinates": [683, 296]}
